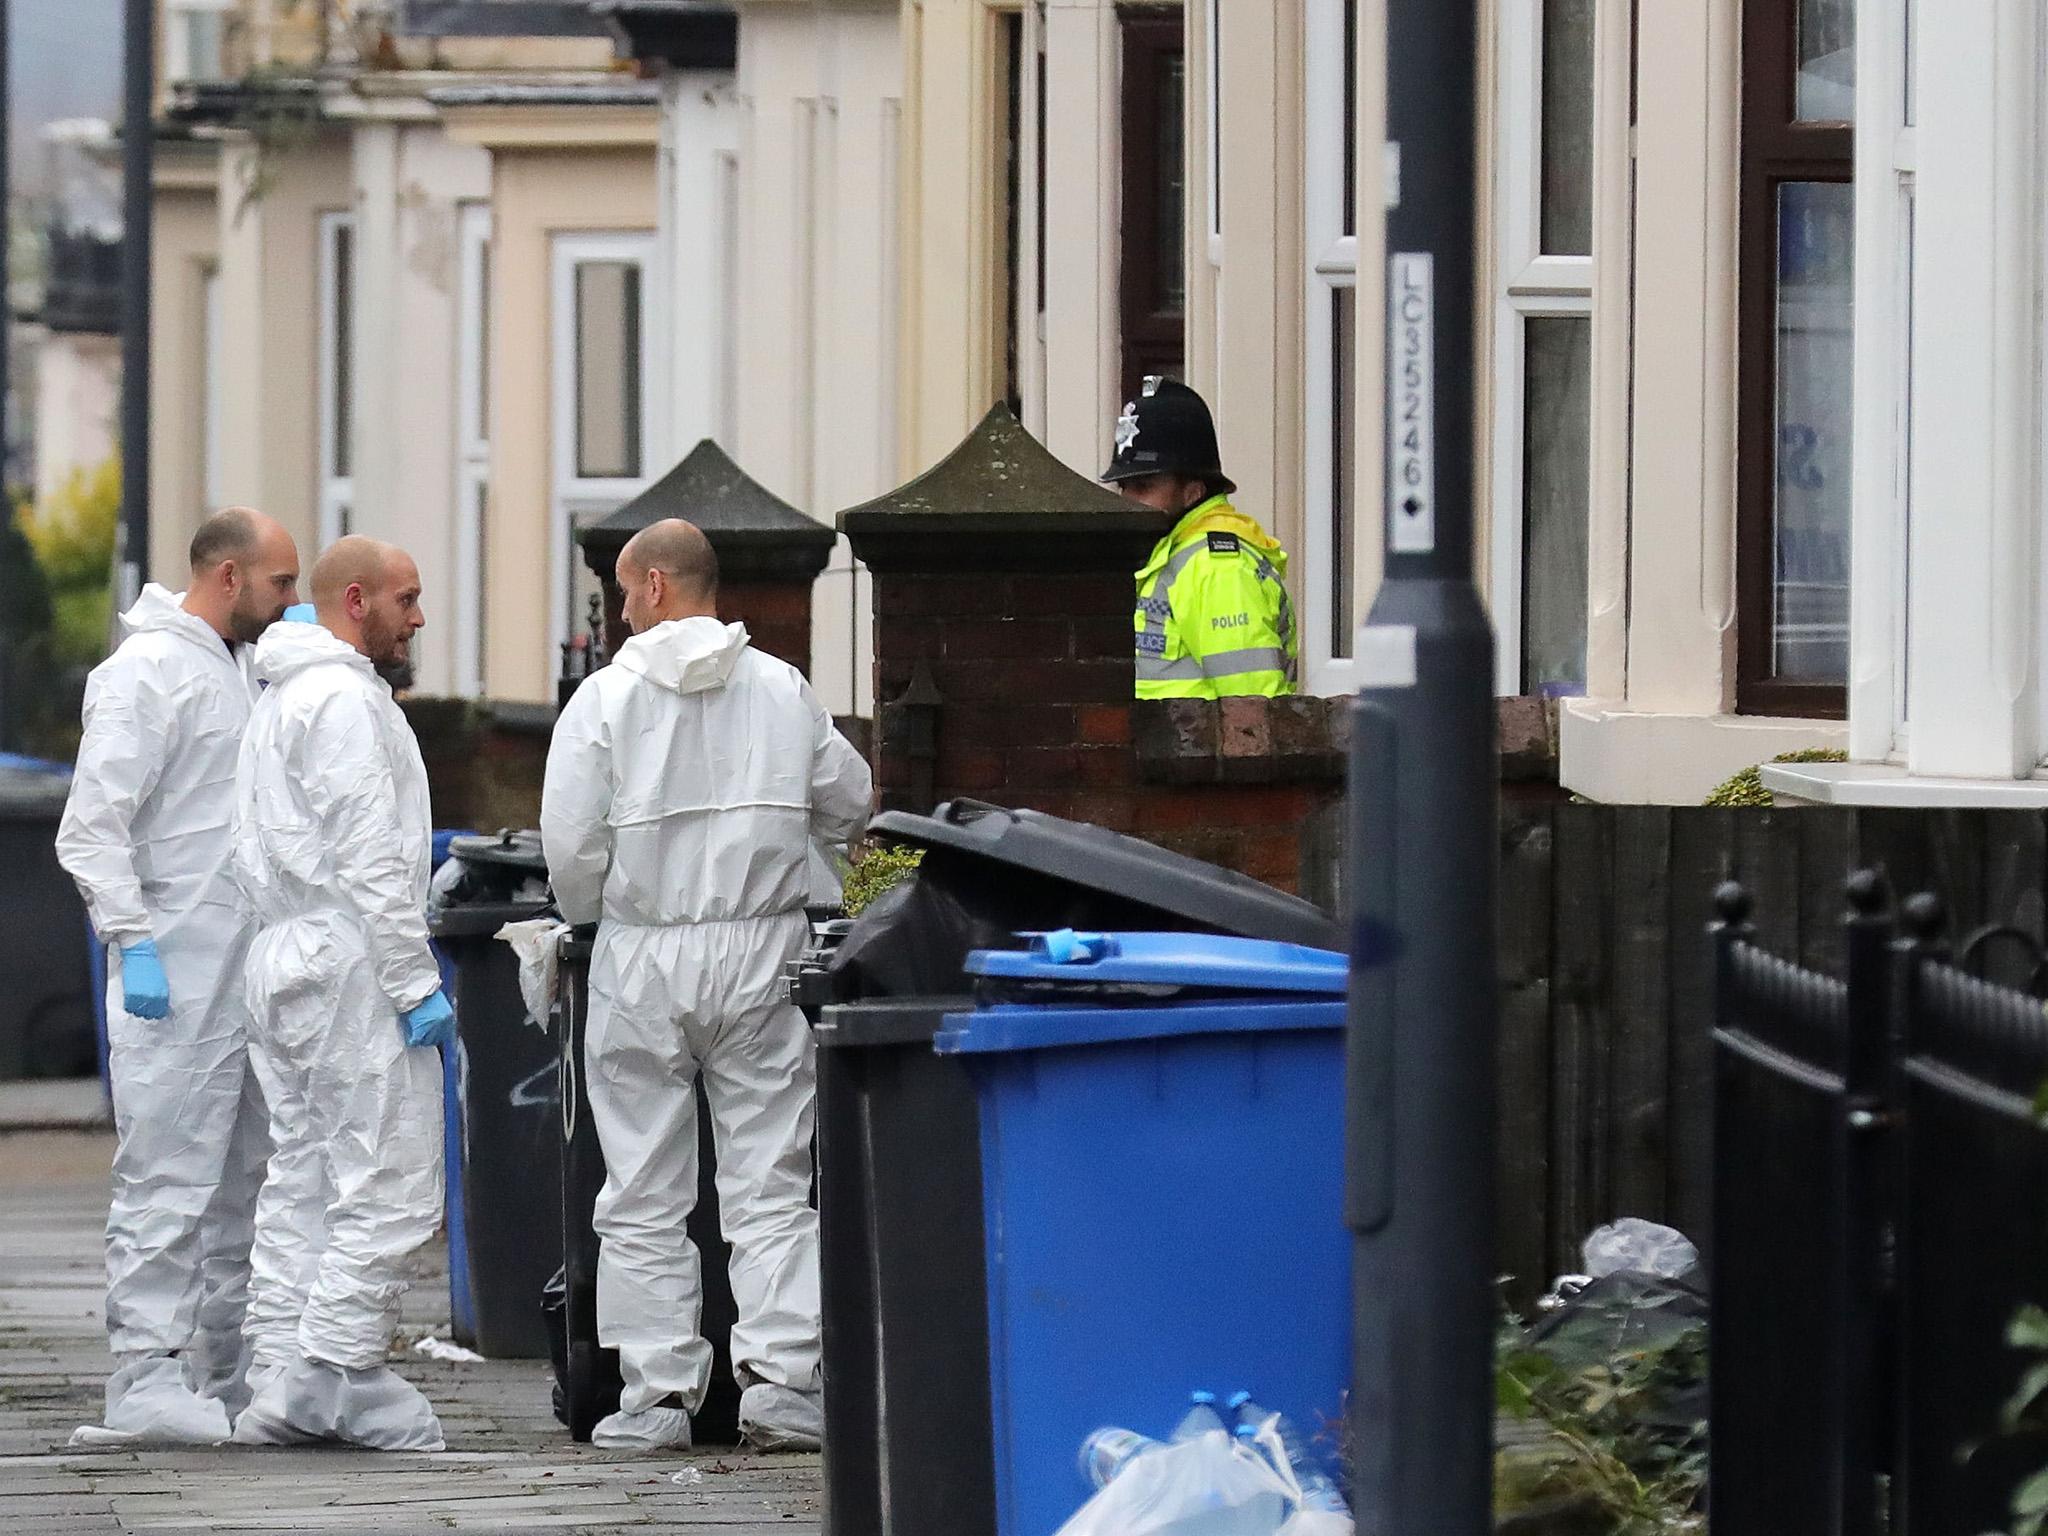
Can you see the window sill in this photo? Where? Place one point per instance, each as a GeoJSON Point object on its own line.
{"type": "Point", "coordinates": [1622, 756]}
{"type": "Point", "coordinates": [1887, 784]}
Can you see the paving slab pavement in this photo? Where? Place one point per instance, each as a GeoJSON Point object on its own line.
{"type": "Point", "coordinates": [509, 1466]}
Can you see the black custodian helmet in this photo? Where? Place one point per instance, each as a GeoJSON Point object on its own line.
{"type": "Point", "coordinates": [1167, 430]}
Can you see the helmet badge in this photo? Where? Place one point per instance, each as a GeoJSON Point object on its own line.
{"type": "Point", "coordinates": [1127, 427]}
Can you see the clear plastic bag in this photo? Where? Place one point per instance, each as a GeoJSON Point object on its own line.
{"type": "Point", "coordinates": [1210, 1485]}
{"type": "Point", "coordinates": [1643, 1246]}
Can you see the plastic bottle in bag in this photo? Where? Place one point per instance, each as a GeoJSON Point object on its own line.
{"type": "Point", "coordinates": [1203, 1417]}
{"type": "Point", "coordinates": [1319, 1490]}
{"type": "Point", "coordinates": [1207, 1485]}
{"type": "Point", "coordinates": [1108, 1451]}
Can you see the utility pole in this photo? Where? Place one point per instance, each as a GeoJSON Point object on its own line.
{"type": "Point", "coordinates": [1424, 844]}
{"type": "Point", "coordinates": [138, 110]}
{"type": "Point", "coordinates": [6, 237]}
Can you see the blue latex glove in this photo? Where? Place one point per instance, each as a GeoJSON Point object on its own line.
{"type": "Point", "coordinates": [432, 1022]}
{"type": "Point", "coordinates": [145, 990]}
{"type": "Point", "coordinates": [299, 613]}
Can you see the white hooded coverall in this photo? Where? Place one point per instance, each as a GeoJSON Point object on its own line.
{"type": "Point", "coordinates": [145, 836]}
{"type": "Point", "coordinates": [332, 844]}
{"type": "Point", "coordinates": [685, 786]}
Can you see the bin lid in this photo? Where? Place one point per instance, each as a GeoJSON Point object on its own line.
{"type": "Point", "coordinates": [1168, 959]}
{"type": "Point", "coordinates": [444, 840]}
{"type": "Point", "coordinates": [1007, 1027]}
{"type": "Point", "coordinates": [483, 919]}
{"type": "Point", "coordinates": [887, 1021]}
{"type": "Point", "coordinates": [32, 789]}
{"type": "Point", "coordinates": [1098, 859]}
{"type": "Point", "coordinates": [511, 850]}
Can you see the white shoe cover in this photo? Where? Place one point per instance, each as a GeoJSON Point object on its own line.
{"type": "Point", "coordinates": [217, 1366]}
{"type": "Point", "coordinates": [149, 1402]}
{"type": "Point", "coordinates": [312, 1400]}
{"type": "Point", "coordinates": [776, 1418]}
{"type": "Point", "coordinates": [651, 1429]}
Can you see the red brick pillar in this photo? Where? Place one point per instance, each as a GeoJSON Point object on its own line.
{"type": "Point", "coordinates": [769, 553]}
{"type": "Point", "coordinates": [1003, 590]}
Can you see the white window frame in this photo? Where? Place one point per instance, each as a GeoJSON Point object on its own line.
{"type": "Point", "coordinates": [1880, 499]}
{"type": "Point", "coordinates": [1531, 286]}
{"type": "Point", "coordinates": [337, 490]}
{"type": "Point", "coordinates": [472, 444]}
{"type": "Point", "coordinates": [1030, 317]}
{"type": "Point", "coordinates": [576, 496]}
{"type": "Point", "coordinates": [1212, 180]}
{"type": "Point", "coordinates": [177, 41]}
{"type": "Point", "coordinates": [1332, 266]}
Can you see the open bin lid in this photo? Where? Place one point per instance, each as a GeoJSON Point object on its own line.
{"type": "Point", "coordinates": [1097, 859]}
{"type": "Point", "coordinates": [508, 850]}
{"type": "Point", "coordinates": [1209, 961]}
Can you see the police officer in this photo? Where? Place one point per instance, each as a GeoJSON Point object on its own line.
{"type": "Point", "coordinates": [1213, 617]}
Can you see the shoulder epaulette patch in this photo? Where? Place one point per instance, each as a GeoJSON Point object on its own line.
{"type": "Point", "coordinates": [1222, 543]}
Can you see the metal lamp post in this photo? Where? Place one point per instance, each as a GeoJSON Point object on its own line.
{"type": "Point", "coordinates": [1423, 792]}
{"type": "Point", "coordinates": [138, 109]}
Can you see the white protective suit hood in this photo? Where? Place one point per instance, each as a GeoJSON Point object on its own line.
{"type": "Point", "coordinates": [289, 648]}
{"type": "Point", "coordinates": [159, 608]}
{"type": "Point", "coordinates": [685, 655]}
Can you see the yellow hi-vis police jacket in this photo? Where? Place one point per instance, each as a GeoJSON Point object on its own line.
{"type": "Point", "coordinates": [1213, 618]}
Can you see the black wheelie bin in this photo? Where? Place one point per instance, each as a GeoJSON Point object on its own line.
{"type": "Point", "coordinates": [46, 1011]}
{"type": "Point", "coordinates": [908, 1436]}
{"type": "Point", "coordinates": [586, 1373]}
{"type": "Point", "coordinates": [507, 1080]}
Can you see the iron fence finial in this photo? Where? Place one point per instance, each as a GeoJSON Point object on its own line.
{"type": "Point", "coordinates": [1732, 903]}
{"type": "Point", "coordinates": [1925, 917]}
{"type": "Point", "coordinates": [1866, 893]}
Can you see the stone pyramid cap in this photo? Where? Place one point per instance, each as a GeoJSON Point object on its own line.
{"type": "Point", "coordinates": [757, 535]}
{"type": "Point", "coordinates": [707, 488]}
{"type": "Point", "coordinates": [1001, 499]}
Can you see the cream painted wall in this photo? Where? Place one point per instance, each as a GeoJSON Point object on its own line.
{"type": "Point", "coordinates": [820, 90]}
{"type": "Point", "coordinates": [1682, 542]}
{"type": "Point", "coordinates": [410, 181]}
{"type": "Point", "coordinates": [78, 405]}
{"type": "Point", "coordinates": [1258, 391]}
{"type": "Point", "coordinates": [950, 331]}
{"type": "Point", "coordinates": [537, 194]}
{"type": "Point", "coordinates": [185, 245]}
{"type": "Point", "coordinates": [269, 261]}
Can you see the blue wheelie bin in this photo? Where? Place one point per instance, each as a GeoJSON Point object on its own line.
{"type": "Point", "coordinates": [1162, 1150]}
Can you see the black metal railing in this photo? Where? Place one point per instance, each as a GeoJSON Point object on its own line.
{"type": "Point", "coordinates": [1880, 1216]}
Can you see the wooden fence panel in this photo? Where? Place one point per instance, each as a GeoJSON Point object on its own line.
{"type": "Point", "coordinates": [1639, 1049]}
{"type": "Point", "coordinates": [1897, 844]}
{"type": "Point", "coordinates": [1605, 1078]}
{"type": "Point", "coordinates": [1827, 846]}
{"type": "Point", "coordinates": [1766, 859]}
{"type": "Point", "coordinates": [1582, 930]}
{"type": "Point", "coordinates": [1702, 844]}
{"type": "Point", "coordinates": [1525, 1048]}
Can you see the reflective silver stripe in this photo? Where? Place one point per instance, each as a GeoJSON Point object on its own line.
{"type": "Point", "coordinates": [1284, 619]}
{"type": "Point", "coordinates": [1158, 608]}
{"type": "Point", "coordinates": [1257, 658]}
{"type": "Point", "coordinates": [1188, 669]}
